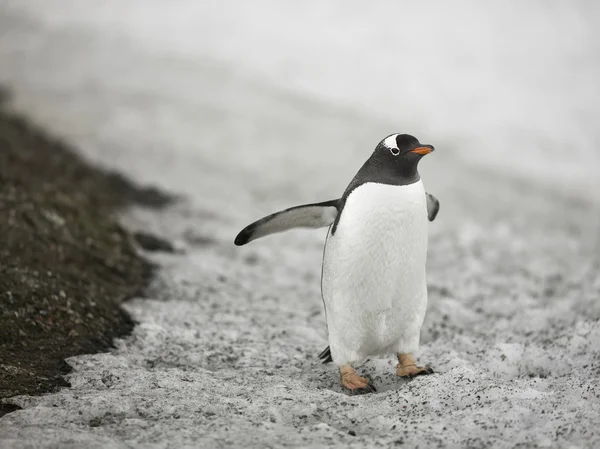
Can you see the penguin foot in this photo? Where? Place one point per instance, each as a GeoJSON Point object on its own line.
{"type": "Point", "coordinates": [408, 368]}
{"type": "Point", "coordinates": [355, 384]}
{"type": "Point", "coordinates": [413, 371]}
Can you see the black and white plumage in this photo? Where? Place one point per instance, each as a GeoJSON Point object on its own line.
{"type": "Point", "coordinates": [373, 282]}
{"type": "Point", "coordinates": [315, 215]}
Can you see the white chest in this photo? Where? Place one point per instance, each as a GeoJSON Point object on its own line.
{"type": "Point", "coordinates": [378, 253]}
{"type": "Point", "coordinates": [374, 285]}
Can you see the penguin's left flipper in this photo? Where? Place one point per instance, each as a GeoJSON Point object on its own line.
{"type": "Point", "coordinates": [433, 206]}
{"type": "Point", "coordinates": [317, 215]}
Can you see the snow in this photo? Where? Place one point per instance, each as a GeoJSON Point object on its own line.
{"type": "Point", "coordinates": [247, 109]}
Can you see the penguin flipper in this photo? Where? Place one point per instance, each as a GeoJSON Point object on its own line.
{"type": "Point", "coordinates": [315, 215]}
{"type": "Point", "coordinates": [433, 206]}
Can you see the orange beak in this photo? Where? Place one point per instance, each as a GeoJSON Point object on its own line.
{"type": "Point", "coordinates": [425, 149]}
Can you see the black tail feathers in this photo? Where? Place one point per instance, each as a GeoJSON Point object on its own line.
{"type": "Point", "coordinates": [325, 356]}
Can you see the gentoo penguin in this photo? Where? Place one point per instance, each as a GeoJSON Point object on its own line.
{"type": "Point", "coordinates": [373, 279]}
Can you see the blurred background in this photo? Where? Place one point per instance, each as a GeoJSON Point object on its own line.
{"type": "Point", "coordinates": [511, 85]}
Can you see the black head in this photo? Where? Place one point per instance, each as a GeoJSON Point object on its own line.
{"type": "Point", "coordinates": [398, 156]}
{"type": "Point", "coordinates": [394, 162]}
{"type": "Point", "coordinates": [402, 149]}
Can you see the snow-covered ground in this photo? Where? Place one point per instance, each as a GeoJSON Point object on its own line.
{"type": "Point", "coordinates": [247, 107]}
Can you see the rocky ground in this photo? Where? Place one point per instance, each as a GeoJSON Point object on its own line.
{"type": "Point", "coordinates": [225, 354]}
{"type": "Point", "coordinates": [66, 265]}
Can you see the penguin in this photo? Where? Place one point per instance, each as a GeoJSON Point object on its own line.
{"type": "Point", "coordinates": [373, 279]}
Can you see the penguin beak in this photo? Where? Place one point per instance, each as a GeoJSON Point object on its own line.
{"type": "Point", "coordinates": [423, 150]}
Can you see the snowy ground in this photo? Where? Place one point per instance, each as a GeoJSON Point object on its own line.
{"type": "Point", "coordinates": [244, 110]}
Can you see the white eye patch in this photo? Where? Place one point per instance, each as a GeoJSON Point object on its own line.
{"type": "Point", "coordinates": [390, 143]}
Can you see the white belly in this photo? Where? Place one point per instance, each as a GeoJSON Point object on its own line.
{"type": "Point", "coordinates": [374, 285]}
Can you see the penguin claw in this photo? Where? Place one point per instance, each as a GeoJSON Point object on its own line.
{"type": "Point", "coordinates": [424, 372]}
{"type": "Point", "coordinates": [370, 388]}
{"type": "Point", "coordinates": [410, 372]}
{"type": "Point", "coordinates": [366, 389]}
{"type": "Point", "coordinates": [356, 385]}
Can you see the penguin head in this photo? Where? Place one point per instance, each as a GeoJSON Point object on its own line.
{"type": "Point", "coordinates": [396, 158]}
{"type": "Point", "coordinates": [402, 149]}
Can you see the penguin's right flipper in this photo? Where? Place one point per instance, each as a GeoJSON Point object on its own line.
{"type": "Point", "coordinates": [317, 215]}
{"type": "Point", "coordinates": [325, 356]}
{"type": "Point", "coordinates": [433, 206]}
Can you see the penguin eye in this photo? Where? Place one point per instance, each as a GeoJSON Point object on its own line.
{"type": "Point", "coordinates": [395, 151]}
